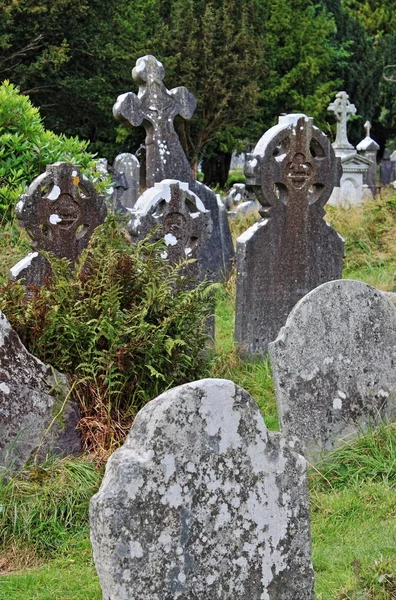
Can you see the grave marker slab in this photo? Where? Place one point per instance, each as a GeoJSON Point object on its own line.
{"type": "Point", "coordinates": [32, 414]}
{"type": "Point", "coordinates": [128, 165]}
{"type": "Point", "coordinates": [203, 502]}
{"type": "Point", "coordinates": [60, 211]}
{"type": "Point", "coordinates": [334, 365]}
{"type": "Point", "coordinates": [292, 249]}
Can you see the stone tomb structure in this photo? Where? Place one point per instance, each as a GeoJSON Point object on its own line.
{"type": "Point", "coordinates": [368, 148]}
{"type": "Point", "coordinates": [354, 166]}
{"type": "Point", "coordinates": [203, 502]}
{"type": "Point", "coordinates": [155, 107]}
{"type": "Point", "coordinates": [334, 365]}
{"type": "Point", "coordinates": [33, 413]}
{"type": "Point", "coordinates": [60, 211]}
{"type": "Point", "coordinates": [181, 220]}
{"type": "Point", "coordinates": [291, 250]}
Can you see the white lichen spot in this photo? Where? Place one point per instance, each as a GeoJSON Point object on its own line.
{"type": "Point", "coordinates": [4, 388]}
{"type": "Point", "coordinates": [169, 465]}
{"type": "Point", "coordinates": [164, 254]}
{"type": "Point", "coordinates": [182, 578]}
{"type": "Point", "coordinates": [342, 395]}
{"type": "Point", "coordinates": [190, 467]}
{"type": "Point", "coordinates": [173, 496]}
{"type": "Point", "coordinates": [55, 219]}
{"type": "Point", "coordinates": [135, 549]}
{"type": "Point", "coordinates": [187, 251]}
{"type": "Point", "coordinates": [54, 193]}
{"type": "Point", "coordinates": [170, 239]}
{"type": "Point", "coordinates": [210, 579]}
{"type": "Point", "coordinates": [337, 403]}
{"type": "Point", "coordinates": [74, 173]}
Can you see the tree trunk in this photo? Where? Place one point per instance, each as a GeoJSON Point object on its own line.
{"type": "Point", "coordinates": [216, 168]}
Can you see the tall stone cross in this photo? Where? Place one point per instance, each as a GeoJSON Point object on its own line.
{"type": "Point", "coordinates": [343, 110]}
{"type": "Point", "coordinates": [155, 107]}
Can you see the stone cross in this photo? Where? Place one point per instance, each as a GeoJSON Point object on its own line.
{"type": "Point", "coordinates": [343, 111]}
{"type": "Point", "coordinates": [181, 220]}
{"type": "Point", "coordinates": [60, 211]}
{"type": "Point", "coordinates": [292, 171]}
{"type": "Point", "coordinates": [202, 501]}
{"type": "Point", "coordinates": [155, 107]}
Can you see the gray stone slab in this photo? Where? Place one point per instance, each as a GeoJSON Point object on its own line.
{"type": "Point", "coordinates": [129, 166]}
{"type": "Point", "coordinates": [292, 249]}
{"type": "Point", "coordinates": [60, 211]}
{"type": "Point", "coordinates": [203, 502]}
{"type": "Point", "coordinates": [334, 365]}
{"type": "Point", "coordinates": [33, 412]}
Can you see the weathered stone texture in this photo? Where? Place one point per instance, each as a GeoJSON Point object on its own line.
{"type": "Point", "coordinates": [180, 218]}
{"type": "Point", "coordinates": [334, 365]}
{"type": "Point", "coordinates": [32, 414]}
{"type": "Point", "coordinates": [155, 107]}
{"type": "Point", "coordinates": [292, 250]}
{"type": "Point", "coordinates": [59, 212]}
{"type": "Point", "coordinates": [203, 502]}
{"type": "Point", "coordinates": [128, 165]}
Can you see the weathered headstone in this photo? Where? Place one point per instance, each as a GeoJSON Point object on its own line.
{"type": "Point", "coordinates": [180, 218]}
{"type": "Point", "coordinates": [128, 164]}
{"type": "Point", "coordinates": [33, 412]}
{"type": "Point", "coordinates": [369, 149]}
{"type": "Point", "coordinates": [350, 191]}
{"type": "Point", "coordinates": [291, 250]}
{"type": "Point", "coordinates": [334, 365]}
{"type": "Point", "coordinates": [60, 211]}
{"type": "Point", "coordinates": [155, 107]}
{"type": "Point", "coordinates": [203, 502]}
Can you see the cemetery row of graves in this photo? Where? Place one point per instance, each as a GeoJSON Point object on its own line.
{"type": "Point", "coordinates": [107, 322]}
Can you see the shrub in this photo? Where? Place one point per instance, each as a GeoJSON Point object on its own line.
{"type": "Point", "coordinates": [123, 324]}
{"type": "Point", "coordinates": [26, 147]}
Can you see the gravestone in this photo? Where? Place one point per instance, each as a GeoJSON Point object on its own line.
{"type": "Point", "coordinates": [128, 165]}
{"type": "Point", "coordinates": [369, 149]}
{"type": "Point", "coordinates": [155, 107]}
{"type": "Point", "coordinates": [181, 220]}
{"type": "Point", "coordinates": [350, 191]}
{"type": "Point", "coordinates": [33, 413]}
{"type": "Point", "coordinates": [291, 250]}
{"type": "Point", "coordinates": [60, 211]}
{"type": "Point", "coordinates": [334, 365]}
{"type": "Point", "coordinates": [203, 502]}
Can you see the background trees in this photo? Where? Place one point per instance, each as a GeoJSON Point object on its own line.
{"type": "Point", "coordinates": [246, 61]}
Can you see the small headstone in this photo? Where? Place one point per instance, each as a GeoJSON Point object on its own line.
{"type": "Point", "coordinates": [291, 250]}
{"type": "Point", "coordinates": [155, 107]}
{"type": "Point", "coordinates": [128, 164]}
{"type": "Point", "coordinates": [32, 410]}
{"type": "Point", "coordinates": [238, 194]}
{"type": "Point", "coordinates": [334, 365]}
{"type": "Point", "coordinates": [369, 149]}
{"type": "Point", "coordinates": [60, 211]}
{"type": "Point", "coordinates": [181, 220]}
{"type": "Point", "coordinates": [203, 502]}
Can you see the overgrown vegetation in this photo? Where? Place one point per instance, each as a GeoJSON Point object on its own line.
{"type": "Point", "coordinates": [116, 326]}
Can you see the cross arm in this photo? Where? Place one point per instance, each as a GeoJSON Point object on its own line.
{"type": "Point", "coordinates": [127, 110]}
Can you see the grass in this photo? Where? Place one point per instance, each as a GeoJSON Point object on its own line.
{"type": "Point", "coordinates": [43, 513]}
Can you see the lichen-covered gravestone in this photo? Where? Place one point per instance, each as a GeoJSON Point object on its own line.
{"type": "Point", "coordinates": [203, 502]}
{"type": "Point", "coordinates": [155, 107]}
{"type": "Point", "coordinates": [128, 165]}
{"type": "Point", "coordinates": [291, 250]}
{"type": "Point", "coordinates": [334, 365]}
{"type": "Point", "coordinates": [33, 412]}
{"type": "Point", "coordinates": [179, 217]}
{"type": "Point", "coordinates": [60, 211]}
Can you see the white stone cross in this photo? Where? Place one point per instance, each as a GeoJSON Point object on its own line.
{"type": "Point", "coordinates": [343, 110]}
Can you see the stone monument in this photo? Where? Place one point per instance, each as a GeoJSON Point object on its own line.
{"type": "Point", "coordinates": [291, 250]}
{"type": "Point", "coordinates": [368, 148]}
{"type": "Point", "coordinates": [60, 211]}
{"type": "Point", "coordinates": [128, 165]}
{"type": "Point", "coordinates": [354, 166]}
{"type": "Point", "coordinates": [155, 107]}
{"type": "Point", "coordinates": [33, 413]}
{"type": "Point", "coordinates": [203, 502]}
{"type": "Point", "coordinates": [334, 365]}
{"type": "Point", "coordinates": [180, 218]}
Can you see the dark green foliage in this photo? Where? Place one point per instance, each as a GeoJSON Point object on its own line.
{"type": "Point", "coordinates": [116, 325]}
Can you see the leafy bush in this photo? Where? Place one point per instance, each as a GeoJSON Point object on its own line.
{"type": "Point", "coordinates": [123, 324]}
{"type": "Point", "coordinates": [236, 176]}
{"type": "Point", "coordinates": [26, 147]}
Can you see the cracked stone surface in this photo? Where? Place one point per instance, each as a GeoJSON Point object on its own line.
{"type": "Point", "coordinates": [33, 414]}
{"type": "Point", "coordinates": [203, 502]}
{"type": "Point", "coordinates": [334, 365]}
